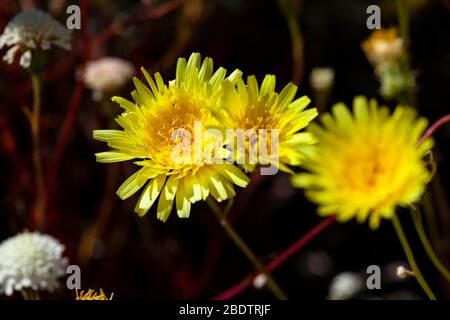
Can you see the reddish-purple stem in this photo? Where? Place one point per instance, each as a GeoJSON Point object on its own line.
{"type": "Point", "coordinates": [278, 261]}
{"type": "Point", "coordinates": [64, 133]}
{"type": "Point", "coordinates": [439, 123]}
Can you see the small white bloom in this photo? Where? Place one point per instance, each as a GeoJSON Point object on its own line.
{"type": "Point", "coordinates": [322, 78]}
{"type": "Point", "coordinates": [403, 273]}
{"type": "Point", "coordinates": [106, 75]}
{"type": "Point", "coordinates": [260, 281]}
{"type": "Point", "coordinates": [25, 59]}
{"type": "Point", "coordinates": [344, 286]}
{"type": "Point", "coordinates": [30, 30]}
{"type": "Point", "coordinates": [31, 260]}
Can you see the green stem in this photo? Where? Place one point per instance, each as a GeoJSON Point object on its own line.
{"type": "Point", "coordinates": [228, 207]}
{"type": "Point", "coordinates": [410, 257]}
{"type": "Point", "coordinates": [426, 244]}
{"type": "Point", "coordinates": [240, 243]}
{"type": "Point", "coordinates": [36, 154]}
{"type": "Point", "coordinates": [29, 294]}
{"type": "Point", "coordinates": [431, 219]}
{"type": "Point", "coordinates": [290, 12]}
{"type": "Point", "coordinates": [403, 24]}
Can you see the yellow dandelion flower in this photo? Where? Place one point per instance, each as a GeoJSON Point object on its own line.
{"type": "Point", "coordinates": [166, 129]}
{"type": "Point", "coordinates": [254, 110]}
{"type": "Point", "coordinates": [367, 163]}
{"type": "Point", "coordinates": [92, 295]}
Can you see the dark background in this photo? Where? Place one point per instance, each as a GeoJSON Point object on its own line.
{"type": "Point", "coordinates": [142, 258]}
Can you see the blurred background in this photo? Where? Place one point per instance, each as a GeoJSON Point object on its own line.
{"type": "Point", "coordinates": [142, 258]}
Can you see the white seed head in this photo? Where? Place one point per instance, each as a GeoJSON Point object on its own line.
{"type": "Point", "coordinates": [30, 30]}
{"type": "Point", "coordinates": [31, 260]}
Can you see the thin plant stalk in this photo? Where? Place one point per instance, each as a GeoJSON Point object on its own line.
{"type": "Point", "coordinates": [403, 24]}
{"type": "Point", "coordinates": [426, 244]}
{"type": "Point", "coordinates": [409, 255]}
{"type": "Point", "coordinates": [240, 243]}
{"type": "Point", "coordinates": [30, 294]}
{"type": "Point", "coordinates": [432, 129]}
{"type": "Point", "coordinates": [290, 12]}
{"type": "Point", "coordinates": [39, 210]}
{"type": "Point", "coordinates": [279, 260]}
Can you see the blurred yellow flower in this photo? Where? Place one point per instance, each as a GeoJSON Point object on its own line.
{"type": "Point", "coordinates": [382, 48]}
{"type": "Point", "coordinates": [249, 107]}
{"type": "Point", "coordinates": [367, 163]}
{"type": "Point", "coordinates": [165, 128]}
{"type": "Point", "coordinates": [92, 295]}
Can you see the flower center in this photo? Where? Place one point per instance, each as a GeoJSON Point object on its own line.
{"type": "Point", "coordinates": [370, 166]}
{"type": "Point", "coordinates": [175, 122]}
{"type": "Point", "coordinates": [258, 117]}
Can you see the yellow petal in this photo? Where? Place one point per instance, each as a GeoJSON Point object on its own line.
{"type": "Point", "coordinates": [148, 197]}
{"type": "Point", "coordinates": [130, 186]}
{"type": "Point", "coordinates": [166, 198]}
{"type": "Point", "coordinates": [124, 103]}
{"type": "Point", "coordinates": [144, 92]}
{"type": "Point", "coordinates": [112, 156]}
{"type": "Point", "coordinates": [216, 186]}
{"type": "Point", "coordinates": [233, 173]}
{"type": "Point", "coordinates": [268, 85]}
{"type": "Point", "coordinates": [182, 203]}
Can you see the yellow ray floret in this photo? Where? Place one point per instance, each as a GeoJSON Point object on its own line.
{"type": "Point", "coordinates": [246, 106]}
{"type": "Point", "coordinates": [165, 130]}
{"type": "Point", "coordinates": [92, 295]}
{"type": "Point", "coordinates": [365, 163]}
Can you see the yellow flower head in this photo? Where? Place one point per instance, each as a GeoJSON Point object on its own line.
{"type": "Point", "coordinates": [165, 129]}
{"type": "Point", "coordinates": [274, 119]}
{"type": "Point", "coordinates": [383, 47]}
{"type": "Point", "coordinates": [367, 163]}
{"type": "Point", "coordinates": [92, 295]}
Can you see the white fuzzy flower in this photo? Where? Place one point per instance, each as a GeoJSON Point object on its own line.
{"type": "Point", "coordinates": [322, 78]}
{"type": "Point", "coordinates": [260, 281]}
{"type": "Point", "coordinates": [344, 286]}
{"type": "Point", "coordinates": [30, 30]}
{"type": "Point", "coordinates": [107, 75]}
{"type": "Point", "coordinates": [403, 273]}
{"type": "Point", "coordinates": [31, 260]}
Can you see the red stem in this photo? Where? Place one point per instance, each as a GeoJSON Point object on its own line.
{"type": "Point", "coordinates": [439, 123]}
{"type": "Point", "coordinates": [278, 261]}
{"type": "Point", "coordinates": [64, 133]}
